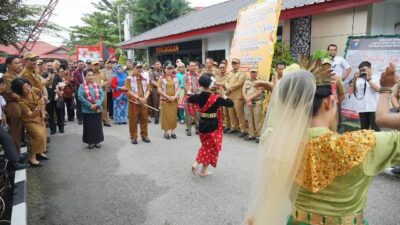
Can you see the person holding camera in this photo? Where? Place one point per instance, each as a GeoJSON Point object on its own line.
{"type": "Point", "coordinates": [366, 91]}
{"type": "Point", "coordinates": [56, 105]}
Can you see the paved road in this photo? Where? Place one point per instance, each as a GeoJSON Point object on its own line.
{"type": "Point", "coordinates": [151, 184]}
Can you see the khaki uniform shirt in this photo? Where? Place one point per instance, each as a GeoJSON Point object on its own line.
{"type": "Point", "coordinates": [100, 78]}
{"type": "Point", "coordinates": [249, 89]}
{"type": "Point", "coordinates": [35, 103]}
{"type": "Point", "coordinates": [221, 78]}
{"type": "Point", "coordinates": [235, 82]}
{"type": "Point", "coordinates": [214, 71]}
{"type": "Point", "coordinates": [8, 78]}
{"type": "Point", "coordinates": [33, 78]}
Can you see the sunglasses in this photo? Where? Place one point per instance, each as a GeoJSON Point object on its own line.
{"type": "Point", "coordinates": [234, 63]}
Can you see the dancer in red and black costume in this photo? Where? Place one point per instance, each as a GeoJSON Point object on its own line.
{"type": "Point", "coordinates": [210, 124]}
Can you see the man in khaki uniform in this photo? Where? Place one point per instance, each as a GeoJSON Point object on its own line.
{"type": "Point", "coordinates": [101, 78]}
{"type": "Point", "coordinates": [210, 67]}
{"type": "Point", "coordinates": [253, 108]}
{"type": "Point", "coordinates": [12, 109]}
{"type": "Point", "coordinates": [129, 68]}
{"type": "Point", "coordinates": [234, 85]}
{"type": "Point", "coordinates": [138, 90]}
{"type": "Point", "coordinates": [29, 71]}
{"type": "Point", "coordinates": [220, 82]}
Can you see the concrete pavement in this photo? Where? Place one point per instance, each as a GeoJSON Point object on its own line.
{"type": "Point", "coordinates": [152, 184]}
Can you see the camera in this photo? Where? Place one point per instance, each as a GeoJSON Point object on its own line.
{"type": "Point", "coordinates": [50, 70]}
{"type": "Point", "coordinates": [363, 75]}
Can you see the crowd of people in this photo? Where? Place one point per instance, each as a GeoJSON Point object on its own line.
{"type": "Point", "coordinates": [302, 100]}
{"type": "Point", "coordinates": [41, 95]}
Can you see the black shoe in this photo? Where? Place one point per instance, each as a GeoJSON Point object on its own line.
{"type": "Point", "coordinates": [97, 145]}
{"type": "Point", "coordinates": [156, 121]}
{"type": "Point", "coordinates": [23, 144]}
{"type": "Point", "coordinates": [189, 133]}
{"type": "Point", "coordinates": [167, 136]}
{"type": "Point", "coordinates": [134, 141]}
{"type": "Point", "coordinates": [173, 136]}
{"type": "Point", "coordinates": [34, 165]}
{"type": "Point", "coordinates": [147, 140]}
{"type": "Point", "coordinates": [242, 134]}
{"type": "Point", "coordinates": [148, 121]}
{"type": "Point", "coordinates": [52, 132]}
{"type": "Point", "coordinates": [80, 122]}
{"type": "Point", "coordinates": [90, 146]}
{"type": "Point", "coordinates": [61, 130]}
{"type": "Point", "coordinates": [70, 120]}
{"type": "Point", "coordinates": [396, 171]}
{"type": "Point", "coordinates": [232, 131]}
{"type": "Point", "coordinates": [107, 124]}
{"type": "Point", "coordinates": [226, 130]}
{"type": "Point", "coordinates": [48, 140]}
{"type": "Point", "coordinates": [40, 157]}
{"type": "Point", "coordinates": [257, 140]}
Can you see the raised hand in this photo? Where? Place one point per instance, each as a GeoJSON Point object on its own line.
{"type": "Point", "coordinates": [389, 78]}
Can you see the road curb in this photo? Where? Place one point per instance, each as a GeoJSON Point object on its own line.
{"type": "Point", "coordinates": [19, 209]}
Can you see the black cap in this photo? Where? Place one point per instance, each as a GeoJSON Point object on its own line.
{"type": "Point", "coordinates": [88, 61]}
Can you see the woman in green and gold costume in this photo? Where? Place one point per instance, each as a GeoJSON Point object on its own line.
{"type": "Point", "coordinates": [307, 174]}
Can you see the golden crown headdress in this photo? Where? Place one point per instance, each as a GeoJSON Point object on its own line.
{"type": "Point", "coordinates": [320, 67]}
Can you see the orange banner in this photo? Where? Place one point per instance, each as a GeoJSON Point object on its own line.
{"type": "Point", "coordinates": [255, 36]}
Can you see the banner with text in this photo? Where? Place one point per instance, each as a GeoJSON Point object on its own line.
{"type": "Point", "coordinates": [255, 36]}
{"type": "Point", "coordinates": [379, 51]}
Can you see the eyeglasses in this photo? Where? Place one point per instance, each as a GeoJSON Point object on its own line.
{"type": "Point", "coordinates": [234, 63]}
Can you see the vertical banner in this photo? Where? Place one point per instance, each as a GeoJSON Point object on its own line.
{"type": "Point", "coordinates": [255, 36]}
{"type": "Point", "coordinates": [379, 51]}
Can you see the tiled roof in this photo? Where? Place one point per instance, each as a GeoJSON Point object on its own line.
{"type": "Point", "coordinates": [40, 48]}
{"type": "Point", "coordinates": [221, 13]}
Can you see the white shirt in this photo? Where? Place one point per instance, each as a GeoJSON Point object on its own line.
{"type": "Point", "coordinates": [2, 104]}
{"type": "Point", "coordinates": [339, 65]}
{"type": "Point", "coordinates": [369, 101]}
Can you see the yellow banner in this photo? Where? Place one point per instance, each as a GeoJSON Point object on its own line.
{"type": "Point", "coordinates": [255, 36]}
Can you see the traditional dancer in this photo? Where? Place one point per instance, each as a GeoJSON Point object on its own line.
{"type": "Point", "coordinates": [120, 99]}
{"type": "Point", "coordinates": [138, 91]}
{"type": "Point", "coordinates": [210, 125]}
{"type": "Point", "coordinates": [313, 174]}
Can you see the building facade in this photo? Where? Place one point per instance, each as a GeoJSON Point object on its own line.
{"type": "Point", "coordinates": [307, 25]}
